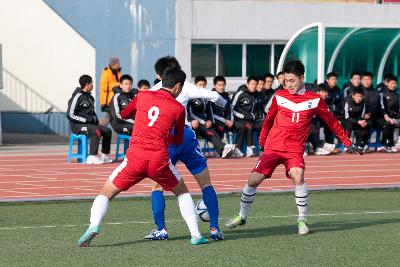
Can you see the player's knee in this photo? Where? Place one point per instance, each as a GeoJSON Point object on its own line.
{"type": "Point", "coordinates": [109, 190]}
{"type": "Point", "coordinates": [297, 176]}
{"type": "Point", "coordinates": [255, 179]}
{"type": "Point", "coordinates": [203, 178]}
{"type": "Point", "coordinates": [180, 188]}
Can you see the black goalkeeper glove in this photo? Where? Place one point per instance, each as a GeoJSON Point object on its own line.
{"type": "Point", "coordinates": [354, 149]}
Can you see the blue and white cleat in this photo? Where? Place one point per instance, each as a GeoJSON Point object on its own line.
{"type": "Point", "coordinates": [198, 240]}
{"type": "Point", "coordinates": [157, 235]}
{"type": "Point", "coordinates": [216, 234]}
{"type": "Point", "coordinates": [87, 237]}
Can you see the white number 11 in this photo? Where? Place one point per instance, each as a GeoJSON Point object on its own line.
{"type": "Point", "coordinates": [295, 117]}
{"type": "Point", "coordinates": [153, 115]}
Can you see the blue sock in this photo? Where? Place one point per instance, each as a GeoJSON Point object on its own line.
{"type": "Point", "coordinates": [158, 208]}
{"type": "Point", "coordinates": [211, 201]}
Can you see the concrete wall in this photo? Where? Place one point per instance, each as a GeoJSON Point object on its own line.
{"type": "Point", "coordinates": [42, 51]}
{"type": "Point", "coordinates": [137, 31]}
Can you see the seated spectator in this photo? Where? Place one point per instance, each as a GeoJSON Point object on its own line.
{"type": "Point", "coordinates": [371, 97]}
{"type": "Point", "coordinates": [280, 77]}
{"type": "Point", "coordinates": [354, 83]}
{"type": "Point", "coordinates": [269, 80]}
{"type": "Point", "coordinates": [222, 117]}
{"type": "Point", "coordinates": [334, 101]}
{"type": "Point", "coordinates": [316, 143]}
{"type": "Point", "coordinates": [143, 85]}
{"type": "Point", "coordinates": [243, 112]}
{"type": "Point", "coordinates": [390, 107]}
{"type": "Point", "coordinates": [83, 120]}
{"type": "Point", "coordinates": [354, 119]}
{"type": "Point", "coordinates": [200, 117]}
{"type": "Point", "coordinates": [260, 102]}
{"type": "Point", "coordinates": [383, 84]}
{"type": "Point", "coordinates": [123, 96]}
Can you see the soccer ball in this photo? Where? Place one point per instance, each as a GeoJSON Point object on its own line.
{"type": "Point", "coordinates": [202, 212]}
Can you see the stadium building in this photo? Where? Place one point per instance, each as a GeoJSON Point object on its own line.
{"type": "Point", "coordinates": [60, 40]}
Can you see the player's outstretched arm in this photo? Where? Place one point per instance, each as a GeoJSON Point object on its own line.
{"type": "Point", "coordinates": [268, 122]}
{"type": "Point", "coordinates": [333, 124]}
{"type": "Point", "coordinates": [179, 128]}
{"type": "Point", "coordinates": [130, 110]}
{"type": "Point", "coordinates": [196, 92]}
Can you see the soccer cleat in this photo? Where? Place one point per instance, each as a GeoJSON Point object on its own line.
{"type": "Point", "coordinates": [87, 237]}
{"type": "Point", "coordinates": [105, 158]}
{"type": "Point", "coordinates": [228, 151]}
{"type": "Point", "coordinates": [384, 149]}
{"type": "Point", "coordinates": [303, 228]}
{"type": "Point", "coordinates": [216, 235]}
{"type": "Point", "coordinates": [249, 152]}
{"type": "Point", "coordinates": [237, 220]}
{"type": "Point", "coordinates": [198, 240]}
{"type": "Point", "coordinates": [92, 159]}
{"type": "Point", "coordinates": [321, 152]}
{"type": "Point", "coordinates": [157, 235]}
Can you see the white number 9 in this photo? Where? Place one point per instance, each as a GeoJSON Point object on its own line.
{"type": "Point", "coordinates": [153, 115]}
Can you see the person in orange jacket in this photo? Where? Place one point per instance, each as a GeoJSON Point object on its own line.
{"type": "Point", "coordinates": [108, 80]}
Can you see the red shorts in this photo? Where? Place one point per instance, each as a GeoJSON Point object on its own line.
{"type": "Point", "coordinates": [269, 160]}
{"type": "Point", "coordinates": [131, 172]}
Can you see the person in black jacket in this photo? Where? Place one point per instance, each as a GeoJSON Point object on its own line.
{"type": "Point", "coordinates": [371, 97]}
{"type": "Point", "coordinates": [243, 111]}
{"type": "Point", "coordinates": [123, 95]}
{"type": "Point", "coordinates": [354, 119]}
{"type": "Point", "coordinates": [222, 117]}
{"type": "Point", "coordinates": [280, 77]}
{"type": "Point", "coordinates": [200, 117]}
{"type": "Point", "coordinates": [390, 108]}
{"type": "Point", "coordinates": [261, 98]}
{"type": "Point", "coordinates": [83, 120]}
{"type": "Point", "coordinates": [354, 83]}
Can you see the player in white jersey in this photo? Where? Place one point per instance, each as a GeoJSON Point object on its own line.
{"type": "Point", "coordinates": [189, 152]}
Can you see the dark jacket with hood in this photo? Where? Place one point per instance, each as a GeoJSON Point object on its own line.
{"type": "Point", "coordinates": [118, 102]}
{"type": "Point", "coordinates": [81, 108]}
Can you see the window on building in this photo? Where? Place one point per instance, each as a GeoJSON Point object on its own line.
{"type": "Point", "coordinates": [203, 59]}
{"type": "Point", "coordinates": [258, 59]}
{"type": "Point", "coordinates": [230, 60]}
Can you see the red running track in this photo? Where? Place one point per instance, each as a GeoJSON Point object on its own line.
{"type": "Point", "coordinates": [27, 176]}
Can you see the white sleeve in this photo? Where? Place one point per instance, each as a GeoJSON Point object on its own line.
{"type": "Point", "coordinates": [156, 87]}
{"type": "Point", "coordinates": [196, 92]}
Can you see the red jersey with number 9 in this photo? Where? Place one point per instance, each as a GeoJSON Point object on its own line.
{"type": "Point", "coordinates": [287, 124]}
{"type": "Point", "coordinates": [156, 114]}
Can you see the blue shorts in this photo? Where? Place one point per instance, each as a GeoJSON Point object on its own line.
{"type": "Point", "coordinates": [189, 152]}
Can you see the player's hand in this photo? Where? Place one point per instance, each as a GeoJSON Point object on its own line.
{"type": "Point", "coordinates": [354, 149]}
{"type": "Point", "coordinates": [208, 124]}
{"type": "Point", "coordinates": [228, 123]}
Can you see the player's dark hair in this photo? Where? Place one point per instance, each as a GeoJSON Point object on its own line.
{"type": "Point", "coordinates": [252, 78]}
{"type": "Point", "coordinates": [84, 80]}
{"type": "Point", "coordinates": [268, 75]}
{"type": "Point", "coordinates": [354, 73]}
{"type": "Point", "coordinates": [260, 78]}
{"type": "Point", "coordinates": [359, 91]}
{"type": "Point", "coordinates": [294, 67]}
{"type": "Point", "coordinates": [219, 78]}
{"type": "Point", "coordinates": [172, 76]}
{"type": "Point", "coordinates": [156, 81]}
{"type": "Point", "coordinates": [166, 62]}
{"type": "Point", "coordinates": [367, 74]}
{"type": "Point", "coordinates": [279, 73]}
{"type": "Point", "coordinates": [200, 78]}
{"type": "Point", "coordinates": [331, 74]}
{"type": "Point", "coordinates": [143, 82]}
{"type": "Point", "coordinates": [387, 76]}
{"type": "Point", "coordinates": [391, 77]}
{"type": "Point", "coordinates": [125, 77]}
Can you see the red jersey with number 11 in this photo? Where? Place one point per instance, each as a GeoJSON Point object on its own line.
{"type": "Point", "coordinates": [287, 124]}
{"type": "Point", "coordinates": [156, 113]}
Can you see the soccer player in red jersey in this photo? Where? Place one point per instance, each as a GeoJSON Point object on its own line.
{"type": "Point", "coordinates": [156, 115]}
{"type": "Point", "coordinates": [283, 137]}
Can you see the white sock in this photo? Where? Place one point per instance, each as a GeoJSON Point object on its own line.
{"type": "Point", "coordinates": [188, 212]}
{"type": "Point", "coordinates": [247, 198]}
{"type": "Point", "coordinates": [99, 209]}
{"type": "Point", "coordinates": [301, 201]}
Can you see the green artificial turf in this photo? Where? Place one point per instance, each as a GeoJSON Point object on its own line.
{"type": "Point", "coordinates": [345, 231]}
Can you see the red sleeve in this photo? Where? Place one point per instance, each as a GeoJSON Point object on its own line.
{"type": "Point", "coordinates": [130, 110]}
{"type": "Point", "coordinates": [179, 127]}
{"type": "Point", "coordinates": [268, 122]}
{"type": "Point", "coordinates": [333, 124]}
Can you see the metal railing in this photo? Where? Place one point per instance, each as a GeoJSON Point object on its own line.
{"type": "Point", "coordinates": [22, 95]}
